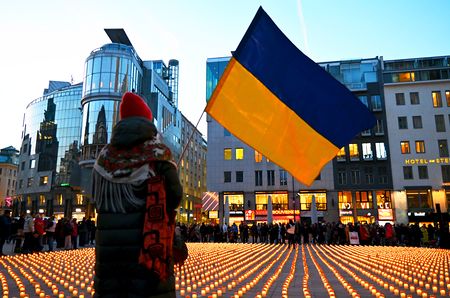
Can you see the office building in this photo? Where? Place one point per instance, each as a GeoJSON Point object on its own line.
{"type": "Point", "coordinates": [48, 179]}
{"type": "Point", "coordinates": [8, 176]}
{"type": "Point", "coordinates": [417, 93]}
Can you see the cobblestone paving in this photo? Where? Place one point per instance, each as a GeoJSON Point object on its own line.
{"type": "Point", "coordinates": [251, 270]}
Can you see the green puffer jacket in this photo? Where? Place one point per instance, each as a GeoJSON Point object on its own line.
{"type": "Point", "coordinates": [119, 234]}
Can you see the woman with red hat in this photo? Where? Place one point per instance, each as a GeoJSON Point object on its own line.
{"type": "Point", "coordinates": [121, 178]}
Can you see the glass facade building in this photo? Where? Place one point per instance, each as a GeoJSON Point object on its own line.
{"type": "Point", "coordinates": [50, 149]}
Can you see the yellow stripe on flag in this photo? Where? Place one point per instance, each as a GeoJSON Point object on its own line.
{"type": "Point", "coordinates": [252, 113]}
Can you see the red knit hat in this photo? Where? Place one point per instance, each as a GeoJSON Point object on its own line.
{"type": "Point", "coordinates": [132, 105]}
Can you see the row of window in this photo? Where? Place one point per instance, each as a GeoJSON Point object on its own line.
{"type": "Point", "coordinates": [8, 172]}
{"type": "Point", "coordinates": [368, 150]}
{"type": "Point", "coordinates": [415, 100]}
{"type": "Point", "coordinates": [355, 178]}
{"type": "Point", "coordinates": [422, 172]}
{"type": "Point", "coordinates": [11, 183]}
{"type": "Point", "coordinates": [405, 148]}
{"type": "Point", "coordinates": [365, 152]}
{"type": "Point", "coordinates": [43, 180]}
{"type": "Point", "coordinates": [270, 177]}
{"type": "Point", "coordinates": [439, 121]}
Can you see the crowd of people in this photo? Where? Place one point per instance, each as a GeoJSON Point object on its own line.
{"type": "Point", "coordinates": [35, 233]}
{"type": "Point", "coordinates": [320, 233]}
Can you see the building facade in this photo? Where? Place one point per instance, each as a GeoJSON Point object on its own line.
{"type": "Point", "coordinates": [9, 159]}
{"type": "Point", "coordinates": [48, 178]}
{"type": "Point", "coordinates": [246, 180]}
{"type": "Point", "coordinates": [361, 169]}
{"type": "Point", "coordinates": [110, 71]}
{"type": "Point", "coordinates": [417, 93]}
{"type": "Point", "coordinates": [192, 170]}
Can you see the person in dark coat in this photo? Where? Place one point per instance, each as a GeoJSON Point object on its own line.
{"type": "Point", "coordinates": [120, 176]}
{"type": "Point", "coordinates": [5, 228]}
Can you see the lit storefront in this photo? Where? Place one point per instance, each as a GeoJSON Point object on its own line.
{"type": "Point", "coordinates": [236, 207]}
{"type": "Point", "coordinates": [306, 204]}
{"type": "Point", "coordinates": [358, 206]}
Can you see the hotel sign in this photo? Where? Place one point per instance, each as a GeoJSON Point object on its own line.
{"type": "Point", "coordinates": [423, 161]}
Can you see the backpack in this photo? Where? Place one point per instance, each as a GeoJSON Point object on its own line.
{"type": "Point", "coordinates": [157, 251]}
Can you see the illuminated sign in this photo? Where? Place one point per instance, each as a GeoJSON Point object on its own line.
{"type": "Point", "coordinates": [213, 214]}
{"type": "Point", "coordinates": [274, 212]}
{"type": "Point", "coordinates": [345, 212]}
{"type": "Point", "coordinates": [237, 213]}
{"type": "Point", "coordinates": [346, 206]}
{"type": "Point", "coordinates": [385, 205]}
{"type": "Point", "coordinates": [385, 214]}
{"type": "Point", "coordinates": [249, 215]}
{"type": "Point", "coordinates": [419, 213]}
{"type": "Point", "coordinates": [424, 161]}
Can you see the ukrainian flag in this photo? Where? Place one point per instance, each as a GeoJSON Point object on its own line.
{"type": "Point", "coordinates": [275, 99]}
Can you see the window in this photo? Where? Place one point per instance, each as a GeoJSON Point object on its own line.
{"type": "Point", "coordinates": [407, 173]}
{"type": "Point", "coordinates": [423, 172]}
{"type": "Point", "coordinates": [41, 200]}
{"type": "Point", "coordinates": [345, 200]}
{"type": "Point", "coordinates": [227, 176]}
{"type": "Point", "coordinates": [404, 147]}
{"type": "Point", "coordinates": [382, 175]}
{"type": "Point", "coordinates": [20, 183]}
{"type": "Point", "coordinates": [363, 99]}
{"type": "Point", "coordinates": [364, 200]}
{"type": "Point", "coordinates": [417, 121]}
{"type": "Point", "coordinates": [445, 173]}
{"type": "Point", "coordinates": [368, 172]}
{"type": "Point", "coordinates": [30, 182]}
{"type": "Point", "coordinates": [447, 97]}
{"type": "Point", "coordinates": [353, 151]}
{"type": "Point", "coordinates": [279, 201]}
{"type": "Point", "coordinates": [367, 151]}
{"type": "Point", "coordinates": [22, 166]}
{"type": "Point", "coordinates": [283, 177]}
{"type": "Point", "coordinates": [239, 176]}
{"type": "Point", "coordinates": [400, 99]}
{"type": "Point", "coordinates": [414, 97]}
{"type": "Point", "coordinates": [376, 102]}
{"type": "Point", "coordinates": [258, 156]}
{"type": "Point", "coordinates": [270, 177]}
{"type": "Point", "coordinates": [443, 148]}
{"type": "Point", "coordinates": [32, 164]}
{"type": "Point", "coordinates": [307, 198]}
{"type": "Point", "coordinates": [356, 176]}
{"type": "Point", "coordinates": [437, 100]}
{"type": "Point", "coordinates": [239, 153]}
{"type": "Point", "coordinates": [341, 155]}
{"type": "Point", "coordinates": [342, 177]}
{"type": "Point", "coordinates": [402, 123]}
{"type": "Point", "coordinates": [380, 148]}
{"type": "Point", "coordinates": [420, 146]}
{"type": "Point", "coordinates": [258, 178]}
{"type": "Point", "coordinates": [418, 199]}
{"type": "Point", "coordinates": [43, 180]}
{"type": "Point", "coordinates": [379, 129]}
{"type": "Point", "coordinates": [440, 123]}
{"type": "Point", "coordinates": [1, 171]}
{"type": "Point", "coordinates": [227, 153]}
{"type": "Point", "coordinates": [366, 133]}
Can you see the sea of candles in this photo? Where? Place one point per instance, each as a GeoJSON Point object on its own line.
{"type": "Point", "coordinates": [250, 270]}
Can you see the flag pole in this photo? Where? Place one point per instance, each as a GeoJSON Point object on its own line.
{"type": "Point", "coordinates": [190, 138]}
